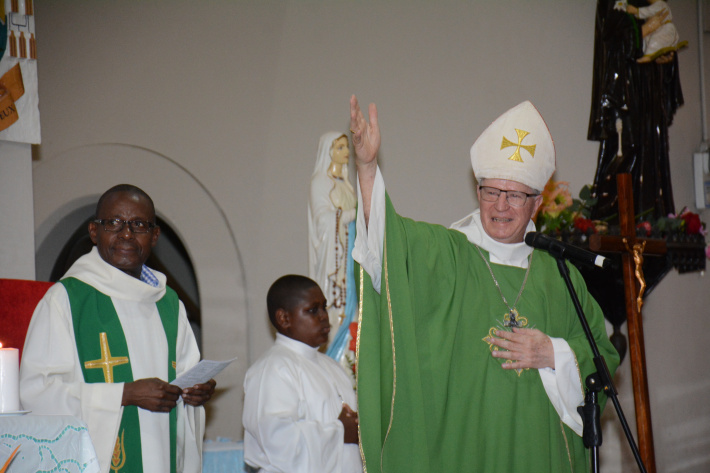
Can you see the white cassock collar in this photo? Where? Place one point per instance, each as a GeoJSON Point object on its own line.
{"type": "Point", "coordinates": [301, 348]}
{"type": "Point", "coordinates": [94, 271]}
{"type": "Point", "coordinates": [509, 254]}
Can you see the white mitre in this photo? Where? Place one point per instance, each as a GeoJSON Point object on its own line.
{"type": "Point", "coordinates": [517, 146]}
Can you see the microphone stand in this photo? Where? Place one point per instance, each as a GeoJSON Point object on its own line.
{"type": "Point", "coordinates": [599, 381]}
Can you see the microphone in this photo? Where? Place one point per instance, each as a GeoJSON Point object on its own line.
{"type": "Point", "coordinates": [559, 249]}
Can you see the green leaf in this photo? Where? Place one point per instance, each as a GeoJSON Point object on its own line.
{"type": "Point", "coordinates": [585, 193]}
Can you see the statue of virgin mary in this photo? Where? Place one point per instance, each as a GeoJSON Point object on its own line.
{"type": "Point", "coordinates": [331, 231]}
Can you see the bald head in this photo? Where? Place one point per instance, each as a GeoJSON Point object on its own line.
{"type": "Point", "coordinates": [128, 189]}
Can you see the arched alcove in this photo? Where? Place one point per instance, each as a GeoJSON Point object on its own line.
{"type": "Point", "coordinates": [66, 184]}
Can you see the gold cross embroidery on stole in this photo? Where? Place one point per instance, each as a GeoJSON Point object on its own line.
{"type": "Point", "coordinates": [106, 362]}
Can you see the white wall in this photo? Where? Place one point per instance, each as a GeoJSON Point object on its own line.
{"type": "Point", "coordinates": [17, 255]}
{"type": "Point", "coordinates": [239, 92]}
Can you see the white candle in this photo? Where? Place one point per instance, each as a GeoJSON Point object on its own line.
{"type": "Point", "coordinates": [9, 380]}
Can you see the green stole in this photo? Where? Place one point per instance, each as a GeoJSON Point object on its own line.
{"type": "Point", "coordinates": [94, 318]}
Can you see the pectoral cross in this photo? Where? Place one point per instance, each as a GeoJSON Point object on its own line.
{"type": "Point", "coordinates": [632, 250]}
{"type": "Point", "coordinates": [513, 320]}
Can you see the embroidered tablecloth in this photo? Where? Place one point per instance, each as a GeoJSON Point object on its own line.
{"type": "Point", "coordinates": [47, 444]}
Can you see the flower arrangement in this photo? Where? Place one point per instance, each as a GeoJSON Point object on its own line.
{"type": "Point", "coordinates": [562, 215]}
{"type": "Point", "coordinates": [686, 222]}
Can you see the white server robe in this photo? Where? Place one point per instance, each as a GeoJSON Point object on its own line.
{"type": "Point", "coordinates": [293, 396]}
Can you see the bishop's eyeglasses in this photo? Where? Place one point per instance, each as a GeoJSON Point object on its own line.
{"type": "Point", "coordinates": [514, 198]}
{"type": "Point", "coordinates": [116, 225]}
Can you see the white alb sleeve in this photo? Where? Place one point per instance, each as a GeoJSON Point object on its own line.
{"type": "Point", "coordinates": [563, 385]}
{"type": "Point", "coordinates": [368, 247]}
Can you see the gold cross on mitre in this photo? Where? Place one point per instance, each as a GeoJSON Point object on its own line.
{"type": "Point", "coordinates": [516, 156]}
{"type": "Point", "coordinates": [106, 362]}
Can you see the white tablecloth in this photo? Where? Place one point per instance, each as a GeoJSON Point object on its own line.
{"type": "Point", "coordinates": [47, 443]}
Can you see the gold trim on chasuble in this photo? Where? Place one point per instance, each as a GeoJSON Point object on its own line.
{"type": "Point", "coordinates": [394, 363]}
{"type": "Point", "coordinates": [106, 362]}
{"type": "Point", "coordinates": [357, 363]}
{"type": "Point", "coordinates": [569, 454]}
{"type": "Point", "coordinates": [516, 155]}
{"type": "Point", "coordinates": [394, 360]}
{"type": "Point", "coordinates": [562, 424]}
{"type": "Point", "coordinates": [118, 459]}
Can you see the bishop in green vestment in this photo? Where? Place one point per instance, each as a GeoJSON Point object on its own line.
{"type": "Point", "coordinates": [471, 356]}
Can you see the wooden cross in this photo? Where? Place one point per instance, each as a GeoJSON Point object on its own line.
{"type": "Point", "coordinates": [632, 250]}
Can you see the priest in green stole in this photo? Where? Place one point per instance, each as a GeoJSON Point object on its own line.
{"type": "Point", "coordinates": [471, 356]}
{"type": "Point", "coordinates": [105, 342]}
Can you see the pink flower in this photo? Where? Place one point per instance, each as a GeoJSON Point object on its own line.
{"type": "Point", "coordinates": [555, 198]}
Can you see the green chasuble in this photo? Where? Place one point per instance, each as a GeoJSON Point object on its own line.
{"type": "Point", "coordinates": [431, 397]}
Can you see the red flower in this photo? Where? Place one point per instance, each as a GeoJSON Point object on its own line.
{"type": "Point", "coordinates": [353, 337]}
{"type": "Point", "coordinates": [646, 226]}
{"type": "Point", "coordinates": [584, 224]}
{"type": "Point", "coordinates": [692, 222]}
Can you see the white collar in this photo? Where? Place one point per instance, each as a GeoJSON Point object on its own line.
{"type": "Point", "coordinates": [294, 345]}
{"type": "Point", "coordinates": [113, 282]}
{"type": "Point", "coordinates": [509, 254]}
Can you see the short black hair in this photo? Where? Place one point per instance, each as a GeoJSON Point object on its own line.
{"type": "Point", "coordinates": [284, 293]}
{"type": "Point", "coordinates": [128, 188]}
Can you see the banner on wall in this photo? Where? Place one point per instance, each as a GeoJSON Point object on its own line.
{"type": "Point", "coordinates": [19, 101]}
